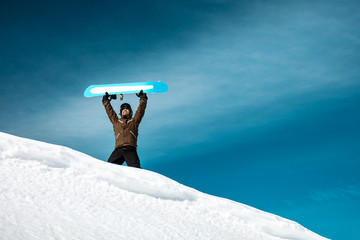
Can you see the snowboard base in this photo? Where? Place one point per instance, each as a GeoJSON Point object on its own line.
{"type": "Point", "coordinates": [125, 88]}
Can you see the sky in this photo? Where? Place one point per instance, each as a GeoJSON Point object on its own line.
{"type": "Point", "coordinates": [263, 100]}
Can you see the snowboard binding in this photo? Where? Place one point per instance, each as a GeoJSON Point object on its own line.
{"type": "Point", "coordinates": [114, 96]}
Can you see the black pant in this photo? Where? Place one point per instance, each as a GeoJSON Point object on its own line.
{"type": "Point", "coordinates": [122, 154]}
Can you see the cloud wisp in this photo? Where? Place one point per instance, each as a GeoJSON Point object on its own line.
{"type": "Point", "coordinates": [335, 193]}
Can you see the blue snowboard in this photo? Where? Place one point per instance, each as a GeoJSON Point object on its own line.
{"type": "Point", "coordinates": [125, 88]}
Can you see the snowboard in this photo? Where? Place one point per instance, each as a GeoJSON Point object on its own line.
{"type": "Point", "coordinates": [125, 88]}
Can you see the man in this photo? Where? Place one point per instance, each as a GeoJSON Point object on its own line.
{"type": "Point", "coordinates": [126, 130]}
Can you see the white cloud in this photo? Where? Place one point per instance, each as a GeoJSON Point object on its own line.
{"type": "Point", "coordinates": [335, 193]}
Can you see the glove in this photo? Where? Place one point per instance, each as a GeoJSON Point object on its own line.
{"type": "Point", "coordinates": [108, 97]}
{"type": "Point", "coordinates": [142, 95]}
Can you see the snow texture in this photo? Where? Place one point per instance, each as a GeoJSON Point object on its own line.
{"type": "Point", "coordinates": [53, 192]}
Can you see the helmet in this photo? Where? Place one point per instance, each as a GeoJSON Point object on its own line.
{"type": "Point", "coordinates": [126, 106]}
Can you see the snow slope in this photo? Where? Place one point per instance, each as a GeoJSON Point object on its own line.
{"type": "Point", "coordinates": [53, 192]}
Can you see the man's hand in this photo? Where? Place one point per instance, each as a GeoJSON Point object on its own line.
{"type": "Point", "coordinates": [142, 95]}
{"type": "Point", "coordinates": [108, 97]}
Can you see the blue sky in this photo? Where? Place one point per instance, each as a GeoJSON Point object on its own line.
{"type": "Point", "coordinates": [263, 100]}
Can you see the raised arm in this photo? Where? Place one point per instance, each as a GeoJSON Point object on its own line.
{"type": "Point", "coordinates": [141, 108]}
{"type": "Point", "coordinates": [109, 109]}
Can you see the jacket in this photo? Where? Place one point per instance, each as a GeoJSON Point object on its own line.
{"type": "Point", "coordinates": [125, 130]}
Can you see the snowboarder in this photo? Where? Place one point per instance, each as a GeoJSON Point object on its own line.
{"type": "Point", "coordinates": [126, 130]}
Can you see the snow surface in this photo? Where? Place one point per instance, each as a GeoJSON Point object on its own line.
{"type": "Point", "coordinates": [53, 192]}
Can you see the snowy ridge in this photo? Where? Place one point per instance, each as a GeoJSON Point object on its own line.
{"type": "Point", "coordinates": [53, 192]}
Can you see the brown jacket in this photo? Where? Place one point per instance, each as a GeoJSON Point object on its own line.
{"type": "Point", "coordinates": [126, 130]}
